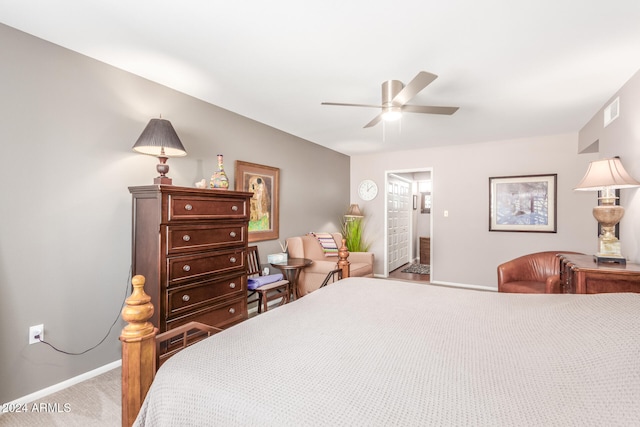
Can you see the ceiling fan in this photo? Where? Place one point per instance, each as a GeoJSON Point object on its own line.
{"type": "Point", "coordinates": [395, 96]}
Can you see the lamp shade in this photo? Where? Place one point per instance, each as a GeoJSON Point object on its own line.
{"type": "Point", "coordinates": [606, 173]}
{"type": "Point", "coordinates": [354, 211]}
{"type": "Point", "coordinates": [159, 139]}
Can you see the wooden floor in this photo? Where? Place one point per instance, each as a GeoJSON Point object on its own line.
{"type": "Point", "coordinates": [397, 274]}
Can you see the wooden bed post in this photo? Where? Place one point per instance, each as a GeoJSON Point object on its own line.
{"type": "Point", "coordinates": [138, 351]}
{"type": "Point", "coordinates": [343, 262]}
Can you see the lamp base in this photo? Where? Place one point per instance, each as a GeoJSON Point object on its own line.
{"type": "Point", "coordinates": [609, 259]}
{"type": "Point", "coordinates": [162, 169]}
{"type": "Point", "coordinates": [609, 249]}
{"type": "Point", "coordinates": [165, 180]}
{"type": "Point", "coordinates": [609, 245]}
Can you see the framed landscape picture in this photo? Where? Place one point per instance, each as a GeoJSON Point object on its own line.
{"type": "Point", "coordinates": [264, 183]}
{"type": "Point", "coordinates": [523, 203]}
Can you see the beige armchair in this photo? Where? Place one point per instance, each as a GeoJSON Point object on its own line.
{"type": "Point", "coordinates": [311, 277]}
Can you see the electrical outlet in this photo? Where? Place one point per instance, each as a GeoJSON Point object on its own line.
{"type": "Point", "coordinates": [37, 330]}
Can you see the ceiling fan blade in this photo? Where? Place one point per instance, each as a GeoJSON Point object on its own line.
{"type": "Point", "coordinates": [351, 105]}
{"type": "Point", "coordinates": [425, 109]}
{"type": "Point", "coordinates": [418, 83]}
{"type": "Point", "coordinates": [374, 122]}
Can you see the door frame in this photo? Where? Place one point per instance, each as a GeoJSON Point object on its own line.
{"type": "Point", "coordinates": [386, 219]}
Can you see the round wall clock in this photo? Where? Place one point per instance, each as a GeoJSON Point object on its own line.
{"type": "Point", "coordinates": [367, 189]}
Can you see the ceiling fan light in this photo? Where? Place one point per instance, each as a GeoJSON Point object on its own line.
{"type": "Point", "coordinates": [391, 114]}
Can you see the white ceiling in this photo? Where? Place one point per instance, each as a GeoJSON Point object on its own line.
{"type": "Point", "coordinates": [515, 68]}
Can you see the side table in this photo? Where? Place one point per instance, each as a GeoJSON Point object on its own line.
{"type": "Point", "coordinates": [291, 271]}
{"type": "Point", "coordinates": [579, 274]}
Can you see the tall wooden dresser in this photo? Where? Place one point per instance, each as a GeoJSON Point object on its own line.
{"type": "Point", "coordinates": [190, 244]}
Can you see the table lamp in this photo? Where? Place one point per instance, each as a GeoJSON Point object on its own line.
{"type": "Point", "coordinates": [353, 213]}
{"type": "Point", "coordinates": [160, 139]}
{"type": "Point", "coordinates": [606, 176]}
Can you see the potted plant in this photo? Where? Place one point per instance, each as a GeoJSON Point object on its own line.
{"type": "Point", "coordinates": [353, 230]}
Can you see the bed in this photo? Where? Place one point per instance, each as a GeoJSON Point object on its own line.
{"type": "Point", "coordinates": [370, 352]}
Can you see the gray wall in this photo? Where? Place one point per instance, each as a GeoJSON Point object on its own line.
{"type": "Point", "coordinates": [67, 125]}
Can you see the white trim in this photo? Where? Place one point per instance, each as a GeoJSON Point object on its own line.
{"type": "Point", "coordinates": [64, 384]}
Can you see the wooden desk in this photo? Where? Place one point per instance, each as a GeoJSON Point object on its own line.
{"type": "Point", "coordinates": [291, 270]}
{"type": "Point", "coordinates": [580, 274]}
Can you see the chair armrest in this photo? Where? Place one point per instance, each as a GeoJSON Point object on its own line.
{"type": "Point", "coordinates": [553, 285]}
{"type": "Point", "coordinates": [361, 257]}
{"type": "Point", "coordinates": [321, 266]}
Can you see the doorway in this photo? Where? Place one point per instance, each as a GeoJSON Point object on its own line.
{"type": "Point", "coordinates": [407, 222]}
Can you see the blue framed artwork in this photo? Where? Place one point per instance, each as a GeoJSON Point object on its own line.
{"type": "Point", "coordinates": [523, 203]}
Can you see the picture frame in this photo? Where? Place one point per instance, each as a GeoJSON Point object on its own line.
{"type": "Point", "coordinates": [264, 211]}
{"type": "Point", "coordinates": [524, 203]}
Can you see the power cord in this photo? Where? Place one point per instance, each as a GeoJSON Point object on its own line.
{"type": "Point", "coordinates": [126, 291]}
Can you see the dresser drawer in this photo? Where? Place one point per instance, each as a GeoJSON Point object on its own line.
{"type": "Point", "coordinates": [189, 267]}
{"type": "Point", "coordinates": [220, 316]}
{"type": "Point", "coordinates": [184, 207]}
{"type": "Point", "coordinates": [191, 297]}
{"type": "Point", "coordinates": [192, 238]}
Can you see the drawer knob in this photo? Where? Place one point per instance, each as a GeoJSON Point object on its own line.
{"type": "Point", "coordinates": [232, 285]}
{"type": "Point", "coordinates": [232, 310]}
{"type": "Point", "coordinates": [186, 267]}
{"type": "Point", "coordinates": [186, 237]}
{"type": "Point", "coordinates": [232, 234]}
{"type": "Point", "coordinates": [234, 208]}
{"type": "Point", "coordinates": [185, 298]}
{"type": "Point", "coordinates": [232, 259]}
{"type": "Point", "coordinates": [188, 207]}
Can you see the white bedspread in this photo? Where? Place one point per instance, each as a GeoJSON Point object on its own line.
{"type": "Point", "coordinates": [373, 352]}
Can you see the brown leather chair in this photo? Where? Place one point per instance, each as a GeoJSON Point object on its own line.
{"type": "Point", "coordinates": [536, 273]}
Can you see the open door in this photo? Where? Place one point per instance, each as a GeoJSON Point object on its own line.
{"type": "Point", "coordinates": [399, 205]}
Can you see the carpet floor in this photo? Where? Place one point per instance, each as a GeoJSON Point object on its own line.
{"type": "Point", "coordinates": [92, 403]}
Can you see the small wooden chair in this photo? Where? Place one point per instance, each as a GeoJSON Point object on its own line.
{"type": "Point", "coordinates": [268, 292]}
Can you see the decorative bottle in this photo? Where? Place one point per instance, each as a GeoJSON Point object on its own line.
{"type": "Point", "coordinates": [219, 178]}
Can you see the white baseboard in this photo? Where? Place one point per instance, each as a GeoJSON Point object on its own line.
{"type": "Point", "coordinates": [64, 384]}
